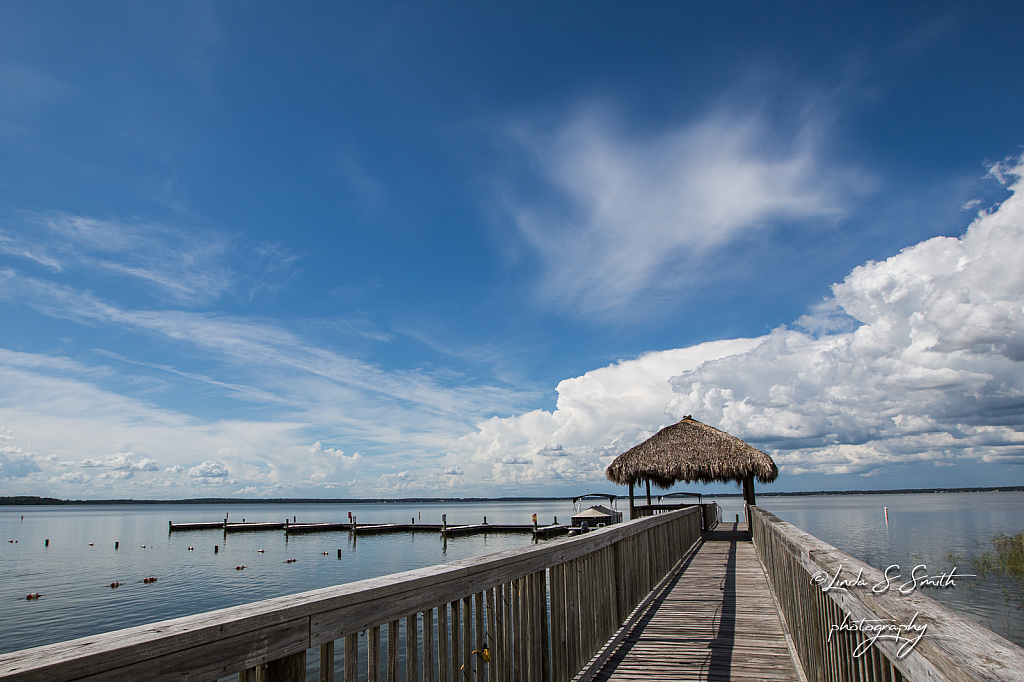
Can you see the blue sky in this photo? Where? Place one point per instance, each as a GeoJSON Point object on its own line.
{"type": "Point", "coordinates": [478, 249]}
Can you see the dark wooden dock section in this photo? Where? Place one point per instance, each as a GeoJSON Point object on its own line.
{"type": "Point", "coordinates": [714, 620]}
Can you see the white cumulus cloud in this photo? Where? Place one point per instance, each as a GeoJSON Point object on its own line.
{"type": "Point", "coordinates": [209, 469]}
{"type": "Point", "coordinates": [933, 372]}
{"type": "Point", "coordinates": [596, 415]}
{"type": "Point", "coordinates": [914, 361]}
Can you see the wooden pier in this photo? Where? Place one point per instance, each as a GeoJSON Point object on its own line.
{"type": "Point", "coordinates": [701, 624]}
{"type": "Point", "coordinates": [651, 600]}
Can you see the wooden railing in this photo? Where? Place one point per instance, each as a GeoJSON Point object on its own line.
{"type": "Point", "coordinates": [711, 513]}
{"type": "Point", "coordinates": [832, 604]}
{"type": "Point", "coordinates": [534, 614]}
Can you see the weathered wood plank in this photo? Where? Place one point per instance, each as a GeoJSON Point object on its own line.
{"type": "Point", "coordinates": [215, 659]}
{"type": "Point", "coordinates": [699, 625]}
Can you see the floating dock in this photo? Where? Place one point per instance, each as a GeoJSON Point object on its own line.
{"type": "Point", "coordinates": [552, 531]}
{"type": "Point", "coordinates": [316, 527]}
{"type": "Point", "coordinates": [374, 528]}
{"type": "Point", "coordinates": [178, 527]}
{"type": "Point", "coordinates": [474, 529]}
{"type": "Point", "coordinates": [381, 528]}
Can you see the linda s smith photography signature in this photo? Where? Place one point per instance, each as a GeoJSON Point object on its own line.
{"type": "Point", "coordinates": [905, 635]}
{"type": "Point", "coordinates": [919, 577]}
{"type": "Point", "coordinates": [884, 629]}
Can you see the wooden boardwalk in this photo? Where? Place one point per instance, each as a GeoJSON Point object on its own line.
{"type": "Point", "coordinates": [715, 620]}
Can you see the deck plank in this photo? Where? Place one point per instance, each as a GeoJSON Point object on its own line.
{"type": "Point", "coordinates": [716, 621]}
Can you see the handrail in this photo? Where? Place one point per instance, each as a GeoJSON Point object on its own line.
{"type": "Point", "coordinates": [711, 513]}
{"type": "Point", "coordinates": [830, 602]}
{"type": "Point", "coordinates": [543, 611]}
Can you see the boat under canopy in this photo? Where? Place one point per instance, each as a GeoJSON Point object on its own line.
{"type": "Point", "coordinates": [598, 514]}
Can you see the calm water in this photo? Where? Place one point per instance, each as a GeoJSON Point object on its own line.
{"type": "Point", "coordinates": [74, 575]}
{"type": "Point", "coordinates": [923, 529]}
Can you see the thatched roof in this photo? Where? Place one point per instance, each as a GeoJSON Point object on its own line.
{"type": "Point", "coordinates": [692, 452]}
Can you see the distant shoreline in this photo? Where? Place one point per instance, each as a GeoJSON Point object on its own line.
{"type": "Point", "coordinates": [31, 500]}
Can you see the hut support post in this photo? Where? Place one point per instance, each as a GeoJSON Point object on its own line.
{"type": "Point", "coordinates": [648, 493]}
{"type": "Point", "coordinates": [632, 513]}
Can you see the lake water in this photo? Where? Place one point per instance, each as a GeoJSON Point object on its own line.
{"type": "Point", "coordinates": [74, 572]}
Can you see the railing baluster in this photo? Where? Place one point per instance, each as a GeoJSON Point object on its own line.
{"type": "Point", "coordinates": [557, 626]}
{"type": "Point", "coordinates": [327, 662]}
{"type": "Point", "coordinates": [412, 673]}
{"type": "Point", "coordinates": [505, 611]}
{"type": "Point", "coordinates": [479, 644]}
{"type": "Point", "coordinates": [490, 638]}
{"type": "Point", "coordinates": [545, 637]}
{"type": "Point", "coordinates": [442, 643]}
{"type": "Point", "coordinates": [467, 640]}
{"type": "Point", "coordinates": [392, 671]}
{"type": "Point", "coordinates": [519, 667]}
{"type": "Point", "coordinates": [373, 654]}
{"type": "Point", "coordinates": [428, 645]}
{"type": "Point", "coordinates": [456, 622]}
{"type": "Point", "coordinates": [352, 658]}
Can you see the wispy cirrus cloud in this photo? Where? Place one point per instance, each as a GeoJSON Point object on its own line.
{"type": "Point", "coordinates": [177, 264]}
{"type": "Point", "coordinates": [621, 216]}
{"type": "Point", "coordinates": [301, 389]}
{"type": "Point", "coordinates": [282, 360]}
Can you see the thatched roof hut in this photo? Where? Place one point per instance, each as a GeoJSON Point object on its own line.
{"type": "Point", "coordinates": [691, 451]}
